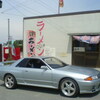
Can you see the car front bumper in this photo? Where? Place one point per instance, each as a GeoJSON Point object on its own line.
{"type": "Point", "coordinates": [89, 86]}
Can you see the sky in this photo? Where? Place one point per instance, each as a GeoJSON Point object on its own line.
{"type": "Point", "coordinates": [16, 10]}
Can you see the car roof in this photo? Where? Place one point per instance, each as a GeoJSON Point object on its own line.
{"type": "Point", "coordinates": [39, 57]}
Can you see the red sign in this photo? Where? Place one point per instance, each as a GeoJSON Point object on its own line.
{"type": "Point", "coordinates": [40, 43]}
{"type": "Point", "coordinates": [14, 57]}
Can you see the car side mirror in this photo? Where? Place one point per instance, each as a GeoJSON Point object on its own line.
{"type": "Point", "coordinates": [44, 67]}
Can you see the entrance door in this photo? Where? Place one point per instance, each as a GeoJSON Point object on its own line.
{"type": "Point", "coordinates": [84, 54]}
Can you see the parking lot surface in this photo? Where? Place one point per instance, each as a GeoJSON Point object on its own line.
{"type": "Point", "coordinates": [36, 93]}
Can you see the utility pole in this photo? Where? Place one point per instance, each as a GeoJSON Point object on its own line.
{"type": "Point", "coordinates": [58, 7]}
{"type": "Point", "coordinates": [8, 31]}
{"type": "Point", "coordinates": [9, 49]}
{"type": "Point", "coordinates": [60, 4]}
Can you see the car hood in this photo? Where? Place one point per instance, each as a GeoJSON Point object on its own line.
{"type": "Point", "coordinates": [80, 70]}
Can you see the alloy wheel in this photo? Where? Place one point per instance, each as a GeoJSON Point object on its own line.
{"type": "Point", "coordinates": [9, 81]}
{"type": "Point", "coordinates": [68, 87]}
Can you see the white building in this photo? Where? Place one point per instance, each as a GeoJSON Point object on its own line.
{"type": "Point", "coordinates": [54, 35]}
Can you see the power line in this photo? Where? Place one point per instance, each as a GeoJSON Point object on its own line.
{"type": "Point", "coordinates": [44, 5]}
{"type": "Point", "coordinates": [30, 9]}
{"type": "Point", "coordinates": [24, 8]}
{"type": "Point", "coordinates": [15, 8]}
{"type": "Point", "coordinates": [56, 26]}
{"type": "Point", "coordinates": [11, 14]}
{"type": "Point", "coordinates": [6, 10]}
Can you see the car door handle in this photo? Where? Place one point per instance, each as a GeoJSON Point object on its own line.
{"type": "Point", "coordinates": [26, 70]}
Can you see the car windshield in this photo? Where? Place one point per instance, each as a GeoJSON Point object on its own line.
{"type": "Point", "coordinates": [54, 62]}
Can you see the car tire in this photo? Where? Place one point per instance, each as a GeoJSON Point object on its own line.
{"type": "Point", "coordinates": [69, 87]}
{"type": "Point", "coordinates": [10, 81]}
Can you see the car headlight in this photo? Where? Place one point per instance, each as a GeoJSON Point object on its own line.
{"type": "Point", "coordinates": [91, 78]}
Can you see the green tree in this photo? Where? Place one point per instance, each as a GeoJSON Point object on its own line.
{"type": "Point", "coordinates": [19, 43]}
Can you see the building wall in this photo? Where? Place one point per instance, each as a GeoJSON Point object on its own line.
{"type": "Point", "coordinates": [58, 31]}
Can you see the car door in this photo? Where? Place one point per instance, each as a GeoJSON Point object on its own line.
{"type": "Point", "coordinates": [36, 75]}
{"type": "Point", "coordinates": [19, 70]}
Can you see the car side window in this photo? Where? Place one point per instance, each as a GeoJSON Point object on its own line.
{"type": "Point", "coordinates": [34, 63]}
{"type": "Point", "coordinates": [30, 63]}
{"type": "Point", "coordinates": [22, 63]}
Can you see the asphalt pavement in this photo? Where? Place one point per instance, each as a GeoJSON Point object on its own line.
{"type": "Point", "coordinates": [36, 93]}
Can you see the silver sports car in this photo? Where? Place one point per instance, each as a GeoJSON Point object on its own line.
{"type": "Point", "coordinates": [51, 72]}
